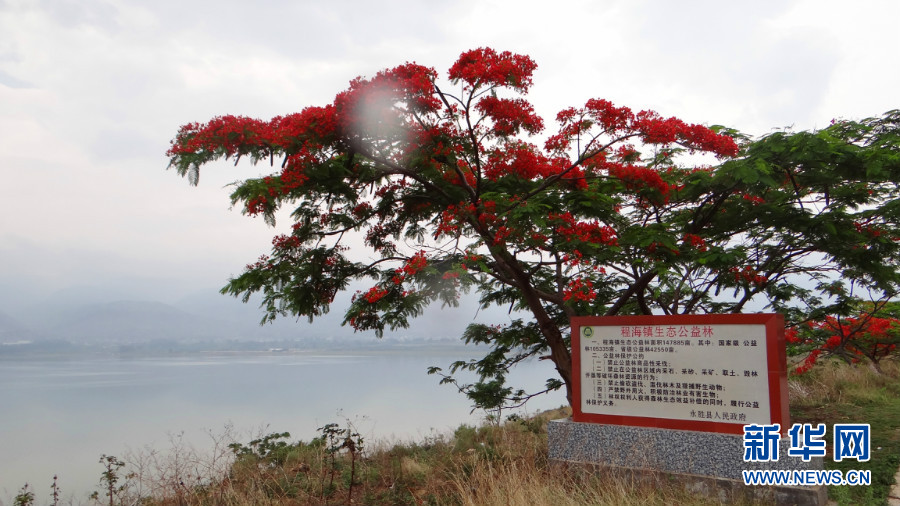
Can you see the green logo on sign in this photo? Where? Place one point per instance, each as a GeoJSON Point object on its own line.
{"type": "Point", "coordinates": [587, 331]}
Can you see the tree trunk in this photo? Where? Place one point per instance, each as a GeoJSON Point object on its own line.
{"type": "Point", "coordinates": [559, 352]}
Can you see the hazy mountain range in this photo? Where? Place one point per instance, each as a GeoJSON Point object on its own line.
{"type": "Point", "coordinates": [97, 316]}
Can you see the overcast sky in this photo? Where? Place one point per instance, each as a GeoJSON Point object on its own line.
{"type": "Point", "coordinates": [92, 91]}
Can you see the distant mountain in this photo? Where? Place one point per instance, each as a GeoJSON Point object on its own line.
{"type": "Point", "coordinates": [128, 322]}
{"type": "Point", "coordinates": [45, 313]}
{"type": "Point", "coordinates": [212, 304]}
{"type": "Point", "coordinates": [16, 295]}
{"type": "Point", "coordinates": [246, 318]}
{"type": "Point", "coordinates": [94, 315]}
{"type": "Point", "coordinates": [133, 321]}
{"type": "Point", "coordinates": [12, 330]}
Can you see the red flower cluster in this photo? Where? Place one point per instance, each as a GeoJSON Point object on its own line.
{"type": "Point", "coordinates": [361, 210]}
{"type": "Point", "coordinates": [695, 241]}
{"type": "Point", "coordinates": [869, 230]}
{"type": "Point", "coordinates": [377, 237]}
{"type": "Point", "coordinates": [538, 238]}
{"type": "Point", "coordinates": [656, 130]}
{"type": "Point", "coordinates": [651, 128]}
{"type": "Point", "coordinates": [312, 125]}
{"type": "Point", "coordinates": [484, 66]}
{"type": "Point", "coordinates": [592, 232]}
{"type": "Point", "coordinates": [448, 224]}
{"type": "Point", "coordinates": [456, 215]}
{"type": "Point", "coordinates": [876, 336]}
{"type": "Point", "coordinates": [228, 134]}
{"type": "Point", "coordinates": [257, 205]}
{"type": "Point", "coordinates": [302, 135]}
{"type": "Point", "coordinates": [638, 178]}
{"type": "Point", "coordinates": [371, 99]}
{"type": "Point", "coordinates": [610, 117]}
{"type": "Point", "coordinates": [426, 145]}
{"type": "Point", "coordinates": [501, 234]}
{"type": "Point", "coordinates": [285, 242]}
{"type": "Point", "coordinates": [870, 327]}
{"type": "Point", "coordinates": [452, 176]}
{"type": "Point", "coordinates": [292, 175]}
{"type": "Point", "coordinates": [472, 258]}
{"type": "Point", "coordinates": [654, 246]}
{"type": "Point", "coordinates": [391, 187]}
{"type": "Point", "coordinates": [522, 160]}
{"type": "Point", "coordinates": [411, 267]}
{"type": "Point", "coordinates": [808, 362]}
{"type": "Point", "coordinates": [375, 294]}
{"type": "Point", "coordinates": [575, 259]}
{"type": "Point", "coordinates": [580, 289]}
{"type": "Point", "coordinates": [263, 262]}
{"type": "Point", "coordinates": [234, 135]}
{"type": "Point", "coordinates": [510, 115]}
{"type": "Point", "coordinates": [748, 274]}
{"type": "Point", "coordinates": [754, 199]}
{"type": "Point", "coordinates": [627, 152]}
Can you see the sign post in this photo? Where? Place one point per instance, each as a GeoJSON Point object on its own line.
{"type": "Point", "coordinates": [712, 373]}
{"type": "Point", "coordinates": [672, 394]}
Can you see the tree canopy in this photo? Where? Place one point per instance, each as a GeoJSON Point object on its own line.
{"type": "Point", "coordinates": [429, 188]}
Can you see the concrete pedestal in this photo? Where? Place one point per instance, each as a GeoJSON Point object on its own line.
{"type": "Point", "coordinates": [703, 461]}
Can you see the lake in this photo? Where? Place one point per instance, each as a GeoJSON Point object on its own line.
{"type": "Point", "coordinates": [57, 416]}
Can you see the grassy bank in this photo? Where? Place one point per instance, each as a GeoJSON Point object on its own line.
{"type": "Point", "coordinates": [488, 465]}
{"type": "Point", "coordinates": [837, 393]}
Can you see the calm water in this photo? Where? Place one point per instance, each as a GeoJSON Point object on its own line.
{"type": "Point", "coordinates": [59, 416]}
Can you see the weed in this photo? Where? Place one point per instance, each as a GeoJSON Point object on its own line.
{"type": "Point", "coordinates": [25, 497]}
{"type": "Point", "coordinates": [110, 478]}
{"type": "Point", "coordinates": [55, 492]}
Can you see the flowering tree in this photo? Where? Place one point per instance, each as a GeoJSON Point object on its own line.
{"type": "Point", "coordinates": [870, 332]}
{"type": "Point", "coordinates": [616, 212]}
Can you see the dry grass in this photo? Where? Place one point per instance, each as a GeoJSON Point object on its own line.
{"type": "Point", "coordinates": [488, 465]}
{"type": "Point", "coordinates": [835, 382]}
{"type": "Point", "coordinates": [835, 392]}
{"type": "Point", "coordinates": [521, 483]}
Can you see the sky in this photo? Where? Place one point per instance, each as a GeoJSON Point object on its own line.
{"type": "Point", "coordinates": [92, 91]}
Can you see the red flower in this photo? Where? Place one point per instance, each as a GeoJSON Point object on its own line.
{"type": "Point", "coordinates": [484, 66]}
{"type": "Point", "coordinates": [580, 289]}
{"type": "Point", "coordinates": [754, 199]}
{"type": "Point", "coordinates": [375, 294]}
{"type": "Point", "coordinates": [638, 178]}
{"type": "Point", "coordinates": [584, 231]}
{"type": "Point", "coordinates": [695, 241]}
{"type": "Point", "coordinates": [833, 342]}
{"type": "Point", "coordinates": [790, 335]}
{"type": "Point", "coordinates": [510, 115]}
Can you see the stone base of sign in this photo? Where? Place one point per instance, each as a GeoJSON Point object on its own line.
{"type": "Point", "coordinates": [702, 461]}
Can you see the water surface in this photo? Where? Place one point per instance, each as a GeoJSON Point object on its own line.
{"type": "Point", "coordinates": [58, 416]}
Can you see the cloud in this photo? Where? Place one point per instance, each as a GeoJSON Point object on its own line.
{"type": "Point", "coordinates": [92, 92]}
{"type": "Point", "coordinates": [12, 82]}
